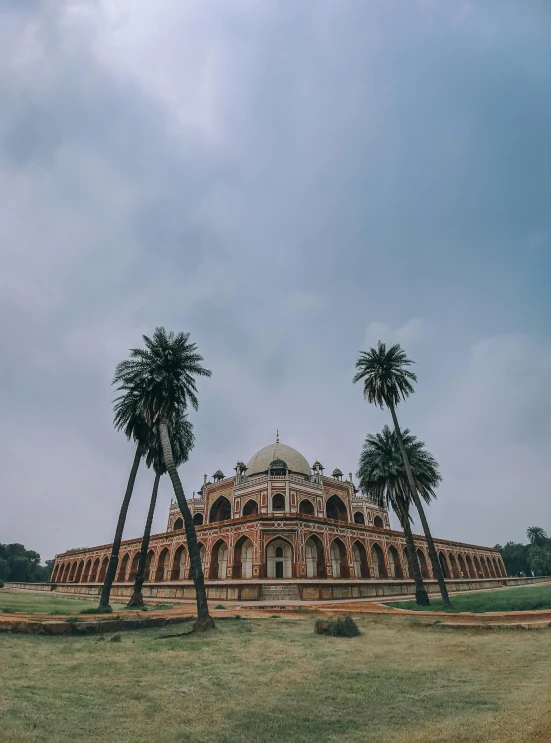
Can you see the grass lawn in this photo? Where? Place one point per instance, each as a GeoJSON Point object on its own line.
{"type": "Point", "coordinates": [262, 681]}
{"type": "Point", "coordinates": [529, 598]}
{"type": "Point", "coordinates": [45, 603]}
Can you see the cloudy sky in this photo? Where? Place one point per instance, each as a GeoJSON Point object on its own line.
{"type": "Point", "coordinates": [289, 182]}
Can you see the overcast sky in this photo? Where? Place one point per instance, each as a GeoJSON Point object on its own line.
{"type": "Point", "coordinates": [289, 182]}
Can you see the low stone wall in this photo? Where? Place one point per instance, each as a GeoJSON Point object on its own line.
{"type": "Point", "coordinates": [249, 590]}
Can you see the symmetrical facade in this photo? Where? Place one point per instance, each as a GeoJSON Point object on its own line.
{"type": "Point", "coordinates": [278, 519]}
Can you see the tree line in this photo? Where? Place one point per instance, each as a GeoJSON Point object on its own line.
{"type": "Point", "coordinates": [526, 559]}
{"type": "Point", "coordinates": [18, 564]}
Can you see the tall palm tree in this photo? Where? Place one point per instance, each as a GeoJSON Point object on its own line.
{"type": "Point", "coordinates": [163, 375]}
{"type": "Point", "coordinates": [537, 535]}
{"type": "Point", "coordinates": [383, 477]}
{"type": "Point", "coordinates": [387, 381]}
{"type": "Point", "coordinates": [182, 439]}
{"type": "Point", "coordinates": [136, 428]}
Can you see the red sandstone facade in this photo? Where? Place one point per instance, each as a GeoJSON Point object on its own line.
{"type": "Point", "coordinates": [278, 520]}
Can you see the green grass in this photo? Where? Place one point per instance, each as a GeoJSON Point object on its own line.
{"type": "Point", "coordinates": [45, 603]}
{"type": "Point", "coordinates": [274, 680]}
{"type": "Point", "coordinates": [530, 598]}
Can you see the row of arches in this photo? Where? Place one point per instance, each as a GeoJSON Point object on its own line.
{"type": "Point", "coordinates": [374, 561]}
{"type": "Point", "coordinates": [335, 509]}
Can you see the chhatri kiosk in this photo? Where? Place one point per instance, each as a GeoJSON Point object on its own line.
{"type": "Point", "coordinates": [279, 529]}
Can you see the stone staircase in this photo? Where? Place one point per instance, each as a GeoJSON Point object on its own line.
{"type": "Point", "coordinates": [280, 592]}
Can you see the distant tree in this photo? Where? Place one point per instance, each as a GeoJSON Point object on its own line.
{"type": "Point", "coordinates": [163, 375]}
{"type": "Point", "coordinates": [182, 440]}
{"type": "Point", "coordinates": [540, 560]}
{"type": "Point", "coordinates": [382, 475]}
{"type": "Point", "coordinates": [386, 382]}
{"type": "Point", "coordinates": [515, 558]}
{"type": "Point", "coordinates": [18, 564]}
{"type": "Point", "coordinates": [536, 535]}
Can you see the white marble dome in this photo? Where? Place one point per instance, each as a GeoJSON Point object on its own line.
{"type": "Point", "coordinates": [294, 460]}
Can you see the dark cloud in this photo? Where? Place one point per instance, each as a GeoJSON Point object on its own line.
{"type": "Point", "coordinates": [289, 182]}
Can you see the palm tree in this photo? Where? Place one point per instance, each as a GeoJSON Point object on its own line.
{"type": "Point", "coordinates": [182, 439]}
{"type": "Point", "coordinates": [537, 535]}
{"type": "Point", "coordinates": [163, 376]}
{"type": "Point", "coordinates": [387, 381]}
{"type": "Point", "coordinates": [383, 477]}
{"type": "Point", "coordinates": [136, 428]}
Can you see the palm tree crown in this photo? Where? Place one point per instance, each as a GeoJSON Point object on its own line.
{"type": "Point", "coordinates": [382, 473]}
{"type": "Point", "coordinates": [536, 534]}
{"type": "Point", "coordinates": [162, 375]}
{"type": "Point", "coordinates": [385, 376]}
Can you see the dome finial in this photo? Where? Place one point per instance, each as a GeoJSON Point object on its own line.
{"type": "Point", "coordinates": [277, 435]}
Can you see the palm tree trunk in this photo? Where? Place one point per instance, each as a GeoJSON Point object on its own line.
{"type": "Point", "coordinates": [436, 567]}
{"type": "Point", "coordinates": [114, 559]}
{"type": "Point", "coordinates": [421, 595]}
{"type": "Point", "coordinates": [204, 620]}
{"type": "Point", "coordinates": [136, 600]}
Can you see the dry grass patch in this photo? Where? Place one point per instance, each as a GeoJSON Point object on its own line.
{"type": "Point", "coordinates": [275, 680]}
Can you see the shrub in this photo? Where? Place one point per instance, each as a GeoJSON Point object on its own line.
{"type": "Point", "coordinates": [220, 606]}
{"type": "Point", "coordinates": [341, 627]}
{"type": "Point", "coordinates": [96, 610]}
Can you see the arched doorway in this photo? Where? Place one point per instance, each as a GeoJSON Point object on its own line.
{"type": "Point", "coordinates": [279, 559]}
{"type": "Point", "coordinates": [423, 564]}
{"type": "Point", "coordinates": [134, 567]}
{"type": "Point", "coordinates": [179, 564]}
{"type": "Point", "coordinates": [378, 523]}
{"type": "Point", "coordinates": [359, 518]}
{"type": "Point", "coordinates": [462, 568]}
{"type": "Point", "coordinates": [162, 566]}
{"type": "Point", "coordinates": [395, 566]}
{"type": "Point", "coordinates": [203, 558]}
{"type": "Point", "coordinates": [72, 572]}
{"type": "Point", "coordinates": [453, 566]}
{"type": "Point", "coordinates": [220, 510]}
{"type": "Point", "coordinates": [335, 509]}
{"type": "Point", "coordinates": [219, 560]}
{"type": "Point", "coordinates": [306, 507]}
{"type": "Point", "coordinates": [444, 564]}
{"type": "Point", "coordinates": [339, 563]}
{"type": "Point", "coordinates": [359, 556]}
{"type": "Point", "coordinates": [243, 558]}
{"type": "Point", "coordinates": [94, 573]}
{"type": "Point", "coordinates": [469, 566]}
{"type": "Point", "coordinates": [103, 569]}
{"type": "Point", "coordinates": [250, 508]}
{"type": "Point", "coordinates": [315, 558]}
{"type": "Point", "coordinates": [198, 519]}
{"type": "Point", "coordinates": [405, 562]}
{"type": "Point", "coordinates": [278, 502]}
{"type": "Point", "coordinates": [478, 569]}
{"type": "Point", "coordinates": [485, 571]}
{"type": "Point", "coordinates": [86, 575]}
{"type": "Point", "coordinates": [122, 568]}
{"type": "Point", "coordinates": [80, 568]}
{"type": "Point", "coordinates": [66, 569]}
{"type": "Point", "coordinates": [378, 558]}
{"type": "Point", "coordinates": [149, 564]}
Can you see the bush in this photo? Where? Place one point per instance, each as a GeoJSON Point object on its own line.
{"type": "Point", "coordinates": [341, 627]}
{"type": "Point", "coordinates": [96, 610]}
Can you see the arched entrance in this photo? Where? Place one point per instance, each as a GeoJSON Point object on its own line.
{"type": "Point", "coordinates": [378, 558]}
{"type": "Point", "coordinates": [405, 557]}
{"type": "Point", "coordinates": [219, 560]}
{"type": "Point", "coordinates": [453, 566]}
{"type": "Point", "coordinates": [243, 558]}
{"type": "Point", "coordinates": [178, 524]}
{"type": "Point", "coordinates": [86, 574]}
{"type": "Point", "coordinates": [306, 507]}
{"type": "Point", "coordinates": [462, 568]}
{"type": "Point", "coordinates": [220, 510]}
{"type": "Point", "coordinates": [94, 573]}
{"type": "Point", "coordinates": [359, 518]}
{"type": "Point", "coordinates": [469, 565]}
{"type": "Point", "coordinates": [423, 564]}
{"type": "Point", "coordinates": [444, 564]}
{"type": "Point", "coordinates": [359, 556]}
{"type": "Point", "coordinates": [278, 502]}
{"type": "Point", "coordinates": [149, 562]}
{"type": "Point", "coordinates": [335, 509]}
{"type": "Point", "coordinates": [478, 569]}
{"type": "Point", "coordinates": [72, 572]}
{"type": "Point", "coordinates": [134, 568]}
{"type": "Point", "coordinates": [279, 559]}
{"type": "Point", "coordinates": [395, 566]}
{"type": "Point", "coordinates": [122, 568]}
{"type": "Point", "coordinates": [339, 563]}
{"type": "Point", "coordinates": [315, 558]}
{"type": "Point", "coordinates": [198, 519]}
{"type": "Point", "coordinates": [485, 571]}
{"type": "Point", "coordinates": [250, 508]}
{"type": "Point", "coordinates": [179, 564]}
{"type": "Point", "coordinates": [203, 558]}
{"type": "Point", "coordinates": [162, 566]}
{"type": "Point", "coordinates": [78, 575]}
{"type": "Point", "coordinates": [103, 569]}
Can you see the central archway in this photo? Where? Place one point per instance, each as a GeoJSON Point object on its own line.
{"type": "Point", "coordinates": [335, 509]}
{"type": "Point", "coordinates": [339, 563]}
{"type": "Point", "coordinates": [219, 560]}
{"type": "Point", "coordinates": [278, 502]}
{"type": "Point", "coordinates": [220, 510]}
{"type": "Point", "coordinates": [315, 558]}
{"type": "Point", "coordinates": [279, 559]}
{"type": "Point", "coordinates": [243, 558]}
